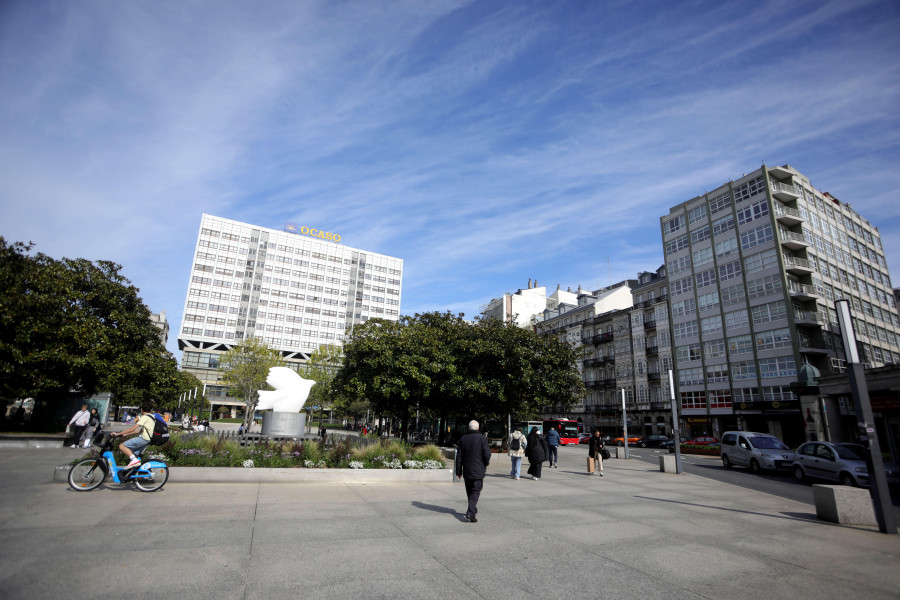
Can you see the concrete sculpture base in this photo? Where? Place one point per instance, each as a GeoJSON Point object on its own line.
{"type": "Point", "coordinates": [280, 423]}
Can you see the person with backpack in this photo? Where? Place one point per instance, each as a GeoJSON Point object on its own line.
{"type": "Point", "coordinates": [146, 424]}
{"type": "Point", "coordinates": [517, 445]}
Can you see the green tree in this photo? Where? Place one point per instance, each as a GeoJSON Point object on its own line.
{"type": "Point", "coordinates": [74, 326]}
{"type": "Point", "coordinates": [322, 366]}
{"type": "Point", "coordinates": [245, 368]}
{"type": "Point", "coordinates": [443, 364]}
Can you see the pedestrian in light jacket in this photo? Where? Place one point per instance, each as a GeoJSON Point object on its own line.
{"type": "Point", "coordinates": [516, 455]}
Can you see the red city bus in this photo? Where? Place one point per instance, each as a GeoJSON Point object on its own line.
{"type": "Point", "coordinates": [567, 429]}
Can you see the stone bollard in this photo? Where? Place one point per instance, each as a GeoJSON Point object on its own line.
{"type": "Point", "coordinates": [844, 505]}
{"type": "Point", "coordinates": [667, 463]}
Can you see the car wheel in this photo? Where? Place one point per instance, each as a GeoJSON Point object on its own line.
{"type": "Point", "coordinates": [799, 475]}
{"type": "Point", "coordinates": [725, 462]}
{"type": "Point", "coordinates": [754, 466]}
{"type": "Point", "coordinates": [642, 445]}
{"type": "Point", "coordinates": [620, 443]}
{"type": "Point", "coordinates": [847, 479]}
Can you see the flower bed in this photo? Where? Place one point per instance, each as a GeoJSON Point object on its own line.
{"type": "Point", "coordinates": [210, 451]}
{"type": "Point", "coordinates": [705, 450]}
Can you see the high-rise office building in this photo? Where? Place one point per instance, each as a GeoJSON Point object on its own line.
{"type": "Point", "coordinates": [296, 289]}
{"type": "Point", "coordinates": [754, 269]}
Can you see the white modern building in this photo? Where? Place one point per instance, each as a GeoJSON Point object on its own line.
{"type": "Point", "coordinates": [755, 267]}
{"type": "Point", "coordinates": [296, 289]}
{"type": "Point", "coordinates": [525, 307]}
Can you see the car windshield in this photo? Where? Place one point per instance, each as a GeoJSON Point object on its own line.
{"type": "Point", "coordinates": [767, 443]}
{"type": "Point", "coordinates": [851, 452]}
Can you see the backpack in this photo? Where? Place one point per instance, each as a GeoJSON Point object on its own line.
{"type": "Point", "coordinates": [515, 444]}
{"type": "Point", "coordinates": [160, 433]}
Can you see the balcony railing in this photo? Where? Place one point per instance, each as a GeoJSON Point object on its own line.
{"type": "Point", "coordinates": [805, 317]}
{"type": "Point", "coordinates": [797, 265]}
{"type": "Point", "coordinates": [653, 376]}
{"type": "Point", "coordinates": [786, 215]}
{"type": "Point", "coordinates": [652, 350]}
{"type": "Point", "coordinates": [784, 191]}
{"type": "Point", "coordinates": [791, 239]}
{"type": "Point", "coordinates": [650, 324]}
{"type": "Point", "coordinates": [802, 290]}
{"type": "Point", "coordinates": [602, 337]}
{"type": "Point", "coordinates": [813, 346]}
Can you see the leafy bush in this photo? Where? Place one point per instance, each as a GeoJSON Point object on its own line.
{"type": "Point", "coordinates": [212, 451]}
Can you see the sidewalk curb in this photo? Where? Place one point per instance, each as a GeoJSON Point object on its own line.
{"type": "Point", "coordinates": [296, 475]}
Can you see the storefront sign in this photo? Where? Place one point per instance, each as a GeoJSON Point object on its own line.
{"type": "Point", "coordinates": [312, 232]}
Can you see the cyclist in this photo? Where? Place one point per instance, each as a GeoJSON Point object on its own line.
{"type": "Point", "coordinates": [133, 447]}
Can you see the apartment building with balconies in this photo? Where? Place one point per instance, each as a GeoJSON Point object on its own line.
{"type": "Point", "coordinates": [754, 269]}
{"type": "Point", "coordinates": [584, 325]}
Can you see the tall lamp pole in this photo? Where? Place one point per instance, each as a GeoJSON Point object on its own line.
{"type": "Point", "coordinates": [878, 488]}
{"type": "Point", "coordinates": [675, 432]}
{"type": "Point", "coordinates": [624, 424]}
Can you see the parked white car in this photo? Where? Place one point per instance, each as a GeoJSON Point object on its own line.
{"type": "Point", "coordinates": [756, 451]}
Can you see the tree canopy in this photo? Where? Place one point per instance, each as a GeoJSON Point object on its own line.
{"type": "Point", "coordinates": [245, 368]}
{"type": "Point", "coordinates": [76, 326]}
{"type": "Point", "coordinates": [322, 366]}
{"type": "Point", "coordinates": [441, 363]}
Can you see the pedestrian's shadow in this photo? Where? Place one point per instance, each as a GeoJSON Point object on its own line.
{"type": "Point", "coordinates": [440, 509]}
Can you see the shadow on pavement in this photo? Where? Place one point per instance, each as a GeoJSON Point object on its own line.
{"type": "Point", "coordinates": [805, 517]}
{"type": "Point", "coordinates": [440, 509]}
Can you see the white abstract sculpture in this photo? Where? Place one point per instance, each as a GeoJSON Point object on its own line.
{"type": "Point", "coordinates": [291, 391]}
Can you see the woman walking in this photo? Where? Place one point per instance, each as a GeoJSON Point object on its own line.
{"type": "Point", "coordinates": [536, 450]}
{"type": "Point", "coordinates": [595, 451]}
{"type": "Point", "coordinates": [517, 446]}
{"type": "Point", "coordinates": [93, 426]}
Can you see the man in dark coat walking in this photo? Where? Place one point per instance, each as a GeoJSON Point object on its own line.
{"type": "Point", "coordinates": [472, 459]}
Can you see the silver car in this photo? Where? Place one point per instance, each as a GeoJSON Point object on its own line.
{"type": "Point", "coordinates": [756, 451]}
{"type": "Point", "coordinates": [845, 463]}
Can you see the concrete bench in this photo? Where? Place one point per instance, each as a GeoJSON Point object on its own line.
{"type": "Point", "coordinates": [844, 505]}
{"type": "Point", "coordinates": [667, 463]}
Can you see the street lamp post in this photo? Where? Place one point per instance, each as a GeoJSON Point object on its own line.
{"type": "Point", "coordinates": [675, 431]}
{"type": "Point", "coordinates": [624, 424]}
{"type": "Point", "coordinates": [878, 488]}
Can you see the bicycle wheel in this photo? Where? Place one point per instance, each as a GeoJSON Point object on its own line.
{"type": "Point", "coordinates": [86, 475]}
{"type": "Point", "coordinates": [156, 479]}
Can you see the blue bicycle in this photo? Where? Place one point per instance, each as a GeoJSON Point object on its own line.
{"type": "Point", "coordinates": [88, 474]}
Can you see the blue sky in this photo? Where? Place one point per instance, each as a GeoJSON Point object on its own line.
{"type": "Point", "coordinates": [485, 143]}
